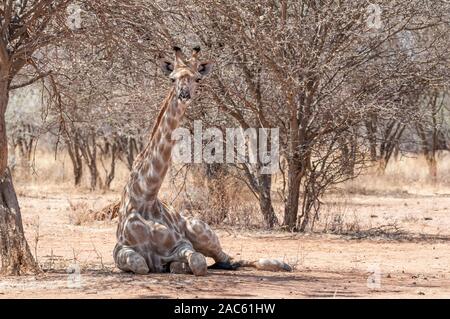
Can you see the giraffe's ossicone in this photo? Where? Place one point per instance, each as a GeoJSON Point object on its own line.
{"type": "Point", "coordinates": [151, 237]}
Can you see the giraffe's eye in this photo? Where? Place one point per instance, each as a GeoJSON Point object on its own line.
{"type": "Point", "coordinates": [173, 80]}
{"type": "Point", "coordinates": [198, 80]}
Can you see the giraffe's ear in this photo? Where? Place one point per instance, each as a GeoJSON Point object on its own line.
{"type": "Point", "coordinates": [205, 68]}
{"type": "Point", "coordinates": [166, 67]}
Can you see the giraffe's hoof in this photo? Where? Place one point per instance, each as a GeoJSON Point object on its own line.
{"type": "Point", "coordinates": [198, 265]}
{"type": "Point", "coordinates": [138, 265]}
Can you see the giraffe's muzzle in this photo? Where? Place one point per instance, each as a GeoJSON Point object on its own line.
{"type": "Point", "coordinates": [184, 95]}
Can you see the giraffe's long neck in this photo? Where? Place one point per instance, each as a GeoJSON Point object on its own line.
{"type": "Point", "coordinates": [152, 164]}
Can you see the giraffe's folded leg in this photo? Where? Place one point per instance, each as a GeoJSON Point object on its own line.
{"type": "Point", "coordinates": [198, 265]}
{"type": "Point", "coordinates": [205, 240]}
{"type": "Point", "coordinates": [195, 260]}
{"type": "Point", "coordinates": [129, 260]}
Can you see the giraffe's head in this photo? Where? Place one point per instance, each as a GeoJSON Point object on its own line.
{"type": "Point", "coordinates": [186, 74]}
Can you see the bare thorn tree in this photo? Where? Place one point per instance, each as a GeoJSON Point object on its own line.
{"type": "Point", "coordinates": [26, 27]}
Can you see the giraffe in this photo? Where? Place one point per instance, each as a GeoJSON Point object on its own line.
{"type": "Point", "coordinates": [151, 236]}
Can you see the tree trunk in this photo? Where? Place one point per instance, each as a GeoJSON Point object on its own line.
{"type": "Point", "coordinates": [265, 200]}
{"type": "Point", "coordinates": [432, 167]}
{"type": "Point", "coordinates": [73, 148]}
{"type": "Point", "coordinates": [371, 137]}
{"type": "Point", "coordinates": [94, 176]}
{"type": "Point", "coordinates": [391, 138]}
{"type": "Point", "coordinates": [131, 154]}
{"type": "Point", "coordinates": [16, 257]}
{"type": "Point", "coordinates": [292, 200]}
{"type": "Point", "coordinates": [309, 197]}
{"type": "Point", "coordinates": [294, 168]}
{"type": "Point", "coordinates": [78, 174]}
{"type": "Point", "coordinates": [428, 151]}
{"type": "Point", "coordinates": [88, 148]}
{"type": "Point", "coordinates": [110, 150]}
{"type": "Point", "coordinates": [15, 254]}
{"type": "Point", "coordinates": [261, 185]}
{"type": "Point", "coordinates": [381, 168]}
{"type": "Point", "coordinates": [112, 172]}
{"type": "Point", "coordinates": [432, 162]}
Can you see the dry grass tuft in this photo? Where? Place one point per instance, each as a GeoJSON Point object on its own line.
{"type": "Point", "coordinates": [406, 176]}
{"type": "Point", "coordinates": [80, 213]}
{"type": "Point", "coordinates": [109, 212]}
{"type": "Point", "coordinates": [336, 218]}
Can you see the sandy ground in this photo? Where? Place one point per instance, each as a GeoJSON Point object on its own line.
{"type": "Point", "coordinates": [413, 263]}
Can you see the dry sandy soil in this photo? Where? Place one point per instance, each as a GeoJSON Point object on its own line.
{"type": "Point", "coordinates": [413, 260]}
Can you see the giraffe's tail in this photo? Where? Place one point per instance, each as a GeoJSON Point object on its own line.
{"type": "Point", "coordinates": [261, 264]}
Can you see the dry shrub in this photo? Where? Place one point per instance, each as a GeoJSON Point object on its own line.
{"type": "Point", "coordinates": [337, 219]}
{"type": "Point", "coordinates": [80, 213]}
{"type": "Point", "coordinates": [344, 225]}
{"type": "Point", "coordinates": [339, 224]}
{"type": "Point", "coordinates": [109, 212]}
{"type": "Point", "coordinates": [245, 214]}
{"type": "Point", "coordinates": [389, 231]}
{"type": "Point", "coordinates": [224, 200]}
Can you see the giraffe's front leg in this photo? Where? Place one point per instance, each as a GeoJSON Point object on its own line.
{"type": "Point", "coordinates": [127, 259]}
